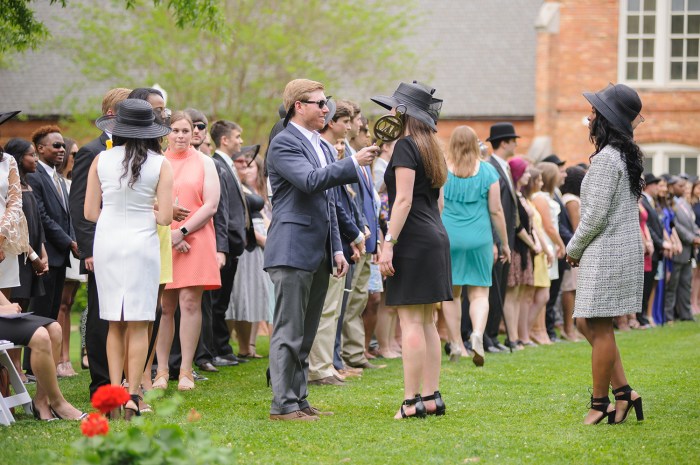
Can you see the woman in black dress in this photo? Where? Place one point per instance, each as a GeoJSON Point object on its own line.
{"type": "Point", "coordinates": [415, 255]}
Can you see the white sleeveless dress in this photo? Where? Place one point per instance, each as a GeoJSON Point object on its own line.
{"type": "Point", "coordinates": [126, 248]}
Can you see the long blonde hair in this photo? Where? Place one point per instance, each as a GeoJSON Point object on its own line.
{"type": "Point", "coordinates": [430, 151]}
{"type": "Point", "coordinates": [463, 152]}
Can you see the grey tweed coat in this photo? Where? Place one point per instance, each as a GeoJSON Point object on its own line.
{"type": "Point", "coordinates": [608, 241]}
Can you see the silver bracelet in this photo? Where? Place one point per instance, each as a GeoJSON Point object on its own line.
{"type": "Point", "coordinates": [33, 256]}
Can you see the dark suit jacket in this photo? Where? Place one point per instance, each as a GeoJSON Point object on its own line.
{"type": "Point", "coordinates": [509, 201]}
{"type": "Point", "coordinates": [566, 232]}
{"type": "Point", "coordinates": [369, 211]}
{"type": "Point", "coordinates": [55, 218]}
{"type": "Point", "coordinates": [303, 212]}
{"type": "Point", "coordinates": [84, 229]}
{"type": "Point", "coordinates": [656, 229]}
{"type": "Point", "coordinates": [229, 221]}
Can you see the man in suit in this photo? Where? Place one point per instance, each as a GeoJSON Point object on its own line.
{"type": "Point", "coordinates": [677, 298]}
{"type": "Point", "coordinates": [52, 201]}
{"type": "Point", "coordinates": [231, 240]}
{"type": "Point", "coordinates": [303, 241]}
{"type": "Point", "coordinates": [656, 230]}
{"type": "Point", "coordinates": [96, 331]}
{"type": "Point", "coordinates": [504, 140]}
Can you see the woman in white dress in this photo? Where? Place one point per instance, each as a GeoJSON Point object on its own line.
{"type": "Point", "coordinates": [126, 181]}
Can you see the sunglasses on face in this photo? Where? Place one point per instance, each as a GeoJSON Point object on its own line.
{"type": "Point", "coordinates": [321, 103]}
{"type": "Point", "coordinates": [200, 126]}
{"type": "Point", "coordinates": [56, 145]}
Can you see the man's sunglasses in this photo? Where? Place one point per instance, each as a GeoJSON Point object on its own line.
{"type": "Point", "coordinates": [321, 103]}
{"type": "Point", "coordinates": [56, 145]}
{"type": "Point", "coordinates": [200, 126]}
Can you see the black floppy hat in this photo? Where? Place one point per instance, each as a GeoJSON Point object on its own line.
{"type": "Point", "coordinates": [134, 120]}
{"type": "Point", "coordinates": [553, 158]}
{"type": "Point", "coordinates": [502, 131]}
{"type": "Point", "coordinates": [8, 115]}
{"type": "Point", "coordinates": [650, 179]}
{"type": "Point", "coordinates": [418, 100]}
{"type": "Point", "coordinates": [619, 104]}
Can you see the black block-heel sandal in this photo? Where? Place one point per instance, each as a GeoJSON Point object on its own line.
{"type": "Point", "coordinates": [130, 412]}
{"type": "Point", "coordinates": [625, 393]}
{"type": "Point", "coordinates": [439, 404]}
{"type": "Point", "coordinates": [420, 407]}
{"type": "Point", "coordinates": [601, 404]}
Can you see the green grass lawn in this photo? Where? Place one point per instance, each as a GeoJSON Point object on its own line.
{"type": "Point", "coordinates": [524, 407]}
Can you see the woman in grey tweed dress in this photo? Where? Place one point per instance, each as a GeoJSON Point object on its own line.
{"type": "Point", "coordinates": [608, 245]}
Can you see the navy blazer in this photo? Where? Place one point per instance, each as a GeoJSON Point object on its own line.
{"type": "Point", "coordinates": [656, 230]}
{"type": "Point", "coordinates": [229, 220]}
{"type": "Point", "coordinates": [509, 201]}
{"type": "Point", "coordinates": [368, 208]}
{"type": "Point", "coordinates": [55, 217]}
{"type": "Point", "coordinates": [303, 211]}
{"type": "Point", "coordinates": [565, 230]}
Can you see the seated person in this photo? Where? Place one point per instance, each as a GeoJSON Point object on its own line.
{"type": "Point", "coordinates": [43, 337]}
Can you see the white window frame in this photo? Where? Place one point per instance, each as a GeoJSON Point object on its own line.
{"type": "Point", "coordinates": [662, 51]}
{"type": "Point", "coordinates": [661, 152]}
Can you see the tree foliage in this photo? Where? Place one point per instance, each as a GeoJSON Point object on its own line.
{"type": "Point", "coordinates": [346, 45]}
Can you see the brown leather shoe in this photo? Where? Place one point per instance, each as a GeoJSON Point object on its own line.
{"type": "Point", "coordinates": [328, 380]}
{"type": "Point", "coordinates": [368, 366]}
{"type": "Point", "coordinates": [350, 374]}
{"type": "Point", "coordinates": [293, 416]}
{"type": "Point", "coordinates": [208, 367]}
{"type": "Point", "coordinates": [310, 410]}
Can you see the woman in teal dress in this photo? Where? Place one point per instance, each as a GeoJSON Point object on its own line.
{"type": "Point", "coordinates": [472, 210]}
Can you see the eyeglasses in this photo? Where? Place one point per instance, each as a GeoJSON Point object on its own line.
{"type": "Point", "coordinates": [321, 103]}
{"type": "Point", "coordinates": [200, 126]}
{"type": "Point", "coordinates": [56, 145]}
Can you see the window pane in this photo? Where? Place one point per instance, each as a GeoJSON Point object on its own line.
{"type": "Point", "coordinates": [632, 70]}
{"type": "Point", "coordinates": [649, 24]}
{"type": "Point", "coordinates": [648, 71]}
{"type": "Point", "coordinates": [648, 164]}
{"type": "Point", "coordinates": [692, 50]}
{"type": "Point", "coordinates": [676, 24]}
{"type": "Point", "coordinates": [649, 5]}
{"type": "Point", "coordinates": [648, 47]}
{"type": "Point", "coordinates": [693, 5]}
{"type": "Point", "coordinates": [633, 5]}
{"type": "Point", "coordinates": [676, 47]}
{"type": "Point", "coordinates": [691, 166]}
{"type": "Point", "coordinates": [674, 165]}
{"type": "Point", "coordinates": [691, 70]}
{"type": "Point", "coordinates": [677, 70]}
{"type": "Point", "coordinates": [678, 5]}
{"type": "Point", "coordinates": [633, 48]}
{"type": "Point", "coordinates": [633, 24]}
{"type": "Point", "coordinates": [693, 24]}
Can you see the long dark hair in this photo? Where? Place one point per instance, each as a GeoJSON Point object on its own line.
{"type": "Point", "coordinates": [603, 134]}
{"type": "Point", "coordinates": [135, 154]}
{"type": "Point", "coordinates": [430, 151]}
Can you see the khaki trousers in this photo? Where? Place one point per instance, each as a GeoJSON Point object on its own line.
{"type": "Point", "coordinates": [321, 356]}
{"type": "Point", "coordinates": [353, 343]}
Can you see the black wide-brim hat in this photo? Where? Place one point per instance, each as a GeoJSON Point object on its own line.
{"type": "Point", "coordinates": [619, 104]}
{"type": "Point", "coordinates": [502, 131]}
{"type": "Point", "coordinates": [418, 100]}
{"type": "Point", "coordinates": [8, 115]}
{"type": "Point", "coordinates": [134, 120]}
{"type": "Point", "coordinates": [650, 179]}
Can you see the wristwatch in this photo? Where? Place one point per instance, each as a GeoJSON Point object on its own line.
{"type": "Point", "coordinates": [184, 230]}
{"type": "Point", "coordinates": [390, 238]}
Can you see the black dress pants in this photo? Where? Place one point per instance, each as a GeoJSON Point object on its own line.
{"type": "Point", "coordinates": [497, 295]}
{"type": "Point", "coordinates": [220, 299]}
{"type": "Point", "coordinates": [96, 338]}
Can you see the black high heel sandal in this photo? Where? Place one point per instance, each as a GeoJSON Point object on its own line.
{"type": "Point", "coordinates": [420, 407]}
{"type": "Point", "coordinates": [626, 395]}
{"type": "Point", "coordinates": [59, 417]}
{"type": "Point", "coordinates": [439, 404]}
{"type": "Point", "coordinates": [129, 412]}
{"type": "Point", "coordinates": [37, 415]}
{"type": "Point", "coordinates": [601, 404]}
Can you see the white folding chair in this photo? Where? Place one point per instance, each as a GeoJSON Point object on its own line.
{"type": "Point", "coordinates": [21, 396]}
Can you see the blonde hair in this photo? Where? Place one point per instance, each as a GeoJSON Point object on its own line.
{"type": "Point", "coordinates": [529, 188]}
{"type": "Point", "coordinates": [112, 98]}
{"type": "Point", "coordinates": [550, 175]}
{"type": "Point", "coordinates": [463, 152]}
{"type": "Point", "coordinates": [430, 151]}
{"type": "Point", "coordinates": [297, 90]}
{"type": "Point", "coordinates": [178, 115]}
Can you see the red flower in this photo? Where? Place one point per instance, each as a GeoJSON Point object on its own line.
{"type": "Point", "coordinates": [94, 424]}
{"type": "Point", "coordinates": [109, 397]}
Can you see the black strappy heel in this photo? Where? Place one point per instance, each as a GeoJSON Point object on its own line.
{"type": "Point", "coordinates": [626, 395]}
{"type": "Point", "coordinates": [601, 404]}
{"type": "Point", "coordinates": [439, 404]}
{"type": "Point", "coordinates": [420, 407]}
{"type": "Point", "coordinates": [129, 412]}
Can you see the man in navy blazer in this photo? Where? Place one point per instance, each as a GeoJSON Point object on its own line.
{"type": "Point", "coordinates": [302, 242]}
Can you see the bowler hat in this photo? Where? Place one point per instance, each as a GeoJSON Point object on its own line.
{"type": "Point", "coordinates": [9, 115]}
{"type": "Point", "coordinates": [134, 120]}
{"type": "Point", "coordinates": [650, 179]}
{"type": "Point", "coordinates": [619, 104]}
{"type": "Point", "coordinates": [502, 131]}
{"type": "Point", "coordinates": [553, 158]}
{"type": "Point", "coordinates": [418, 100]}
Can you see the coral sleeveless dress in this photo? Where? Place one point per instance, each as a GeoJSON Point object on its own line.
{"type": "Point", "coordinates": [197, 267]}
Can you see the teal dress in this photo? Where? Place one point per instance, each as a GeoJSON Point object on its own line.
{"type": "Point", "coordinates": [468, 222]}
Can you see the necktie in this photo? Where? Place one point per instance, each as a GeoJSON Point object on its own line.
{"type": "Point", "coordinates": [57, 184]}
